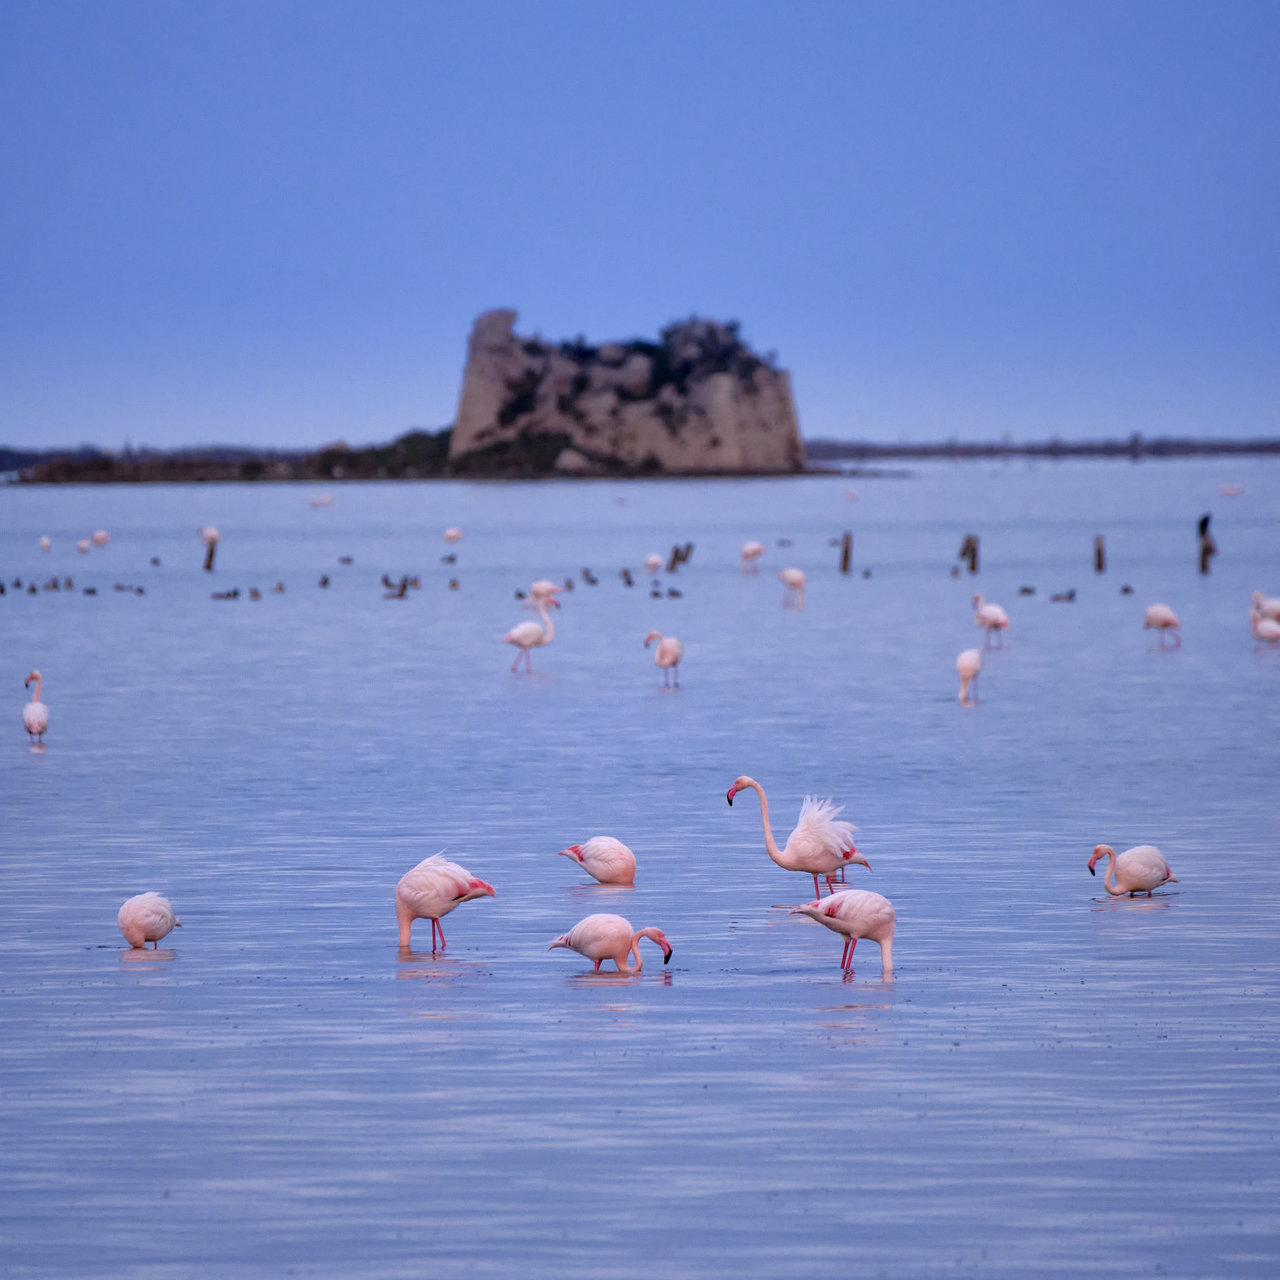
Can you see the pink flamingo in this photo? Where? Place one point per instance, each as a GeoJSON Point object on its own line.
{"type": "Point", "coordinates": [542, 589]}
{"type": "Point", "coordinates": [1266, 606]}
{"type": "Point", "coordinates": [1166, 622]}
{"type": "Point", "coordinates": [529, 635]}
{"type": "Point", "coordinates": [667, 656]}
{"type": "Point", "coordinates": [819, 845]}
{"type": "Point", "coordinates": [992, 617]}
{"type": "Point", "coordinates": [792, 588]}
{"type": "Point", "coordinates": [606, 937]}
{"type": "Point", "coordinates": [431, 890]}
{"type": "Point", "coordinates": [147, 917]}
{"type": "Point", "coordinates": [751, 552]}
{"type": "Point", "coordinates": [606, 859]}
{"type": "Point", "coordinates": [968, 665]}
{"type": "Point", "coordinates": [1137, 870]}
{"type": "Point", "coordinates": [856, 913]}
{"type": "Point", "coordinates": [1264, 629]}
{"type": "Point", "coordinates": [35, 715]}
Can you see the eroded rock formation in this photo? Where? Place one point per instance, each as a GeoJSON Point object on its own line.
{"type": "Point", "coordinates": [698, 400]}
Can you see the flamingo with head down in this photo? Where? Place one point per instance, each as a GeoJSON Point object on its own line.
{"type": "Point", "coordinates": [1164, 620]}
{"type": "Point", "coordinates": [968, 665]}
{"type": "Point", "coordinates": [991, 617]}
{"type": "Point", "coordinates": [1265, 606]}
{"type": "Point", "coordinates": [819, 846]}
{"type": "Point", "coordinates": [751, 553]}
{"type": "Point", "coordinates": [608, 860]}
{"type": "Point", "coordinates": [608, 937]}
{"type": "Point", "coordinates": [1265, 629]}
{"type": "Point", "coordinates": [431, 890]}
{"type": "Point", "coordinates": [147, 917]}
{"type": "Point", "coordinates": [1137, 870]}
{"type": "Point", "coordinates": [856, 913]}
{"type": "Point", "coordinates": [792, 588]}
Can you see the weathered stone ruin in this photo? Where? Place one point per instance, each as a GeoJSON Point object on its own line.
{"type": "Point", "coordinates": [696, 401]}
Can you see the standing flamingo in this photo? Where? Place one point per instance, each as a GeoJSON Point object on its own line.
{"type": "Point", "coordinates": [751, 553]}
{"type": "Point", "coordinates": [968, 665]}
{"type": "Point", "coordinates": [819, 846]}
{"type": "Point", "coordinates": [1267, 606]}
{"type": "Point", "coordinates": [856, 913]}
{"type": "Point", "coordinates": [992, 617]}
{"type": "Point", "coordinates": [147, 917]}
{"type": "Point", "coordinates": [607, 859]}
{"type": "Point", "coordinates": [653, 563]}
{"type": "Point", "coordinates": [667, 656]}
{"type": "Point", "coordinates": [431, 890]}
{"type": "Point", "coordinates": [792, 588]}
{"type": "Point", "coordinates": [453, 534]}
{"type": "Point", "coordinates": [35, 715]}
{"type": "Point", "coordinates": [1137, 870]}
{"type": "Point", "coordinates": [528, 635]}
{"type": "Point", "coordinates": [605, 937]}
{"type": "Point", "coordinates": [1166, 622]}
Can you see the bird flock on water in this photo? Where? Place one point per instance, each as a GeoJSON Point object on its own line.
{"type": "Point", "coordinates": [821, 846]}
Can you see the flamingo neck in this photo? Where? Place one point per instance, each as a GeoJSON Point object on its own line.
{"type": "Point", "coordinates": [634, 949]}
{"type": "Point", "coordinates": [35, 695]}
{"type": "Point", "coordinates": [547, 622]}
{"type": "Point", "coordinates": [769, 842]}
{"type": "Point", "coordinates": [1109, 875]}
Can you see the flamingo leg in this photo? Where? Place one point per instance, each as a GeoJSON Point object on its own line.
{"type": "Point", "coordinates": [516, 663]}
{"type": "Point", "coordinates": [817, 893]}
{"type": "Point", "coordinates": [849, 948]}
{"type": "Point", "coordinates": [675, 675]}
{"type": "Point", "coordinates": [597, 968]}
{"type": "Point", "coordinates": [528, 662]}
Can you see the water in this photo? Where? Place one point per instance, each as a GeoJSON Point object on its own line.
{"type": "Point", "coordinates": [1052, 1083]}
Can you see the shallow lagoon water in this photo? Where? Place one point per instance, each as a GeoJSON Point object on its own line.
{"type": "Point", "coordinates": [1052, 1084]}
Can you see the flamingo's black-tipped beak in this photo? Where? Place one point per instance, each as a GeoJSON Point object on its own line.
{"type": "Point", "coordinates": [730, 795]}
{"type": "Point", "coordinates": [1092, 872]}
{"type": "Point", "coordinates": [666, 958]}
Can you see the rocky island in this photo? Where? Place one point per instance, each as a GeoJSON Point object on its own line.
{"type": "Point", "coordinates": [698, 401]}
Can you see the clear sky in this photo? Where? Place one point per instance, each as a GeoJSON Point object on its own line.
{"type": "Point", "coordinates": [272, 222]}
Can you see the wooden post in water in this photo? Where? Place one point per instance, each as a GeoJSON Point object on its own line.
{"type": "Point", "coordinates": [1099, 554]}
{"type": "Point", "coordinates": [846, 552]}
{"type": "Point", "coordinates": [969, 551]}
{"type": "Point", "coordinates": [1208, 548]}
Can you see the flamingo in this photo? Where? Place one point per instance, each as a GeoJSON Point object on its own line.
{"type": "Point", "coordinates": [992, 617]}
{"type": "Point", "coordinates": [793, 588]}
{"type": "Point", "coordinates": [35, 715]}
{"type": "Point", "coordinates": [1264, 628]}
{"type": "Point", "coordinates": [1137, 870]}
{"type": "Point", "coordinates": [1267, 606]}
{"type": "Point", "coordinates": [667, 656]}
{"type": "Point", "coordinates": [751, 552]}
{"type": "Point", "coordinates": [431, 890]}
{"type": "Point", "coordinates": [45, 542]}
{"type": "Point", "coordinates": [856, 913]}
{"type": "Point", "coordinates": [528, 635]}
{"type": "Point", "coordinates": [101, 537]}
{"type": "Point", "coordinates": [605, 937]}
{"type": "Point", "coordinates": [606, 859]}
{"type": "Point", "coordinates": [819, 846]}
{"type": "Point", "coordinates": [453, 534]}
{"type": "Point", "coordinates": [83, 545]}
{"type": "Point", "coordinates": [968, 665]}
{"type": "Point", "coordinates": [1165, 621]}
{"type": "Point", "coordinates": [653, 563]}
{"type": "Point", "coordinates": [541, 589]}
{"type": "Point", "coordinates": [147, 917]}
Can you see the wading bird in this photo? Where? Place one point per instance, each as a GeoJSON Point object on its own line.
{"type": "Point", "coordinates": [968, 665]}
{"type": "Point", "coordinates": [1137, 870]}
{"type": "Point", "coordinates": [529, 635]}
{"type": "Point", "coordinates": [35, 715]}
{"type": "Point", "coordinates": [607, 859]}
{"type": "Point", "coordinates": [819, 846]}
{"type": "Point", "coordinates": [431, 890]}
{"type": "Point", "coordinates": [1164, 620]}
{"type": "Point", "coordinates": [147, 917]}
{"type": "Point", "coordinates": [991, 617]}
{"type": "Point", "coordinates": [856, 913]}
{"type": "Point", "coordinates": [751, 552]}
{"type": "Point", "coordinates": [667, 656]}
{"type": "Point", "coordinates": [606, 937]}
{"type": "Point", "coordinates": [792, 588]}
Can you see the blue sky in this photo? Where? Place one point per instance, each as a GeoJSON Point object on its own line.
{"type": "Point", "coordinates": [272, 222]}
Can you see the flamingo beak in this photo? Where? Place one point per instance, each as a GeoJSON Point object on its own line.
{"type": "Point", "coordinates": [670, 951]}
{"type": "Point", "coordinates": [1092, 872]}
{"type": "Point", "coordinates": [733, 791]}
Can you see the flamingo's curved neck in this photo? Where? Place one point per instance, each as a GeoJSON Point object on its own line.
{"type": "Point", "coordinates": [550, 625]}
{"type": "Point", "coordinates": [1109, 875]}
{"type": "Point", "coordinates": [634, 949]}
{"type": "Point", "coordinates": [769, 842]}
{"type": "Point", "coordinates": [35, 695]}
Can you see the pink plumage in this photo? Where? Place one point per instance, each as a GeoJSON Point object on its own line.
{"type": "Point", "coordinates": [431, 890]}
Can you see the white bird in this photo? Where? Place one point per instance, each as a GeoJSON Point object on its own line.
{"type": "Point", "coordinates": [607, 860]}
{"type": "Point", "coordinates": [968, 665]}
{"type": "Point", "coordinates": [819, 846]}
{"type": "Point", "coordinates": [431, 890]}
{"type": "Point", "coordinates": [608, 937]}
{"type": "Point", "coordinates": [147, 917]}
{"type": "Point", "coordinates": [453, 534]}
{"type": "Point", "coordinates": [856, 913]}
{"type": "Point", "coordinates": [792, 588]}
{"type": "Point", "coordinates": [992, 617]}
{"type": "Point", "coordinates": [1267, 606]}
{"type": "Point", "coordinates": [1137, 870]}
{"type": "Point", "coordinates": [667, 656]}
{"type": "Point", "coordinates": [529, 635]}
{"type": "Point", "coordinates": [1265, 629]}
{"type": "Point", "coordinates": [653, 563]}
{"type": "Point", "coordinates": [751, 552]}
{"type": "Point", "coordinates": [1165, 621]}
{"type": "Point", "coordinates": [35, 715]}
{"type": "Point", "coordinates": [45, 544]}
